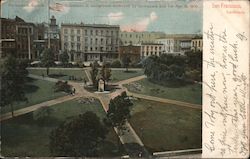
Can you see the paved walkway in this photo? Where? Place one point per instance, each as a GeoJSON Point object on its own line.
{"type": "Point", "coordinates": [128, 137]}
{"type": "Point", "coordinates": [88, 76]}
{"type": "Point", "coordinates": [133, 79]}
{"type": "Point", "coordinates": [37, 106]}
{"type": "Point", "coordinates": [163, 100]}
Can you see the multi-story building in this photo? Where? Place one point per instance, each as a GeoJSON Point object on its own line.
{"type": "Point", "coordinates": [148, 49]}
{"type": "Point", "coordinates": [136, 38]}
{"type": "Point", "coordinates": [90, 42]}
{"type": "Point", "coordinates": [52, 37]}
{"type": "Point", "coordinates": [39, 40]}
{"type": "Point", "coordinates": [131, 51]}
{"type": "Point", "coordinates": [197, 43]}
{"type": "Point", "coordinates": [8, 37]}
{"type": "Point", "coordinates": [168, 44]}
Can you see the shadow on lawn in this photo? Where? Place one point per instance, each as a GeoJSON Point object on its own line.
{"type": "Point", "coordinates": [57, 75]}
{"type": "Point", "coordinates": [28, 119]}
{"type": "Point", "coordinates": [130, 71]}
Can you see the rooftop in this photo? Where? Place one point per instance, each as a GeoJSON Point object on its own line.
{"type": "Point", "coordinates": [90, 25]}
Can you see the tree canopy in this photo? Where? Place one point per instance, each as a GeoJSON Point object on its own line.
{"type": "Point", "coordinates": [165, 68]}
{"type": "Point", "coordinates": [64, 58]}
{"type": "Point", "coordinates": [47, 59]}
{"type": "Point", "coordinates": [119, 110]}
{"type": "Point", "coordinates": [79, 137]}
{"type": "Point", "coordinates": [13, 78]}
{"type": "Point", "coordinates": [94, 73]}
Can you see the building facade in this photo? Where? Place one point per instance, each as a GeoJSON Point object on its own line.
{"type": "Point", "coordinates": [90, 42]}
{"type": "Point", "coordinates": [8, 37]}
{"type": "Point", "coordinates": [52, 37]}
{"type": "Point", "coordinates": [131, 51]}
{"type": "Point", "coordinates": [168, 44]}
{"type": "Point", "coordinates": [17, 38]}
{"type": "Point", "coordinates": [136, 38]}
{"type": "Point", "coordinates": [197, 43]}
{"type": "Point", "coordinates": [148, 49]}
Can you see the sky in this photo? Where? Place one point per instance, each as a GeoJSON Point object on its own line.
{"type": "Point", "coordinates": [169, 16]}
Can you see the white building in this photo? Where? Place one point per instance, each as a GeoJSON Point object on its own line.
{"type": "Point", "coordinates": [168, 44]}
{"type": "Point", "coordinates": [136, 38]}
{"type": "Point", "coordinates": [148, 49]}
{"type": "Point", "coordinates": [197, 44]}
{"type": "Point", "coordinates": [90, 42]}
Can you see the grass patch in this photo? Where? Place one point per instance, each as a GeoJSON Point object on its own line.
{"type": "Point", "coordinates": [25, 136]}
{"type": "Point", "coordinates": [119, 75]}
{"type": "Point", "coordinates": [165, 127]}
{"type": "Point", "coordinates": [61, 74]}
{"type": "Point", "coordinates": [36, 91]}
{"type": "Point", "coordinates": [191, 93]}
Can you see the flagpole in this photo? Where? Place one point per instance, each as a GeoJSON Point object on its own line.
{"type": "Point", "coordinates": [48, 24]}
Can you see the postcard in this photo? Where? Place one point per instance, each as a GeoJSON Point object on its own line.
{"type": "Point", "coordinates": [124, 78]}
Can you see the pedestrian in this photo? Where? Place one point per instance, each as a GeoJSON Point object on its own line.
{"type": "Point", "coordinates": [84, 80]}
{"type": "Point", "coordinates": [140, 154]}
{"type": "Point", "coordinates": [74, 91]}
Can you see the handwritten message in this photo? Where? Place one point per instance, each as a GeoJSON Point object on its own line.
{"type": "Point", "coordinates": [225, 82]}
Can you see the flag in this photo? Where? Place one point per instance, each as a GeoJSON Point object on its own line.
{"type": "Point", "coordinates": [57, 7]}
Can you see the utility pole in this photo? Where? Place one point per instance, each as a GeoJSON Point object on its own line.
{"type": "Point", "coordinates": [49, 24]}
{"type": "Point", "coordinates": [29, 43]}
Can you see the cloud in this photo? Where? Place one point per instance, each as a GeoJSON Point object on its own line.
{"type": "Point", "coordinates": [58, 7]}
{"type": "Point", "coordinates": [115, 16]}
{"type": "Point", "coordinates": [141, 25]}
{"type": "Point", "coordinates": [31, 5]}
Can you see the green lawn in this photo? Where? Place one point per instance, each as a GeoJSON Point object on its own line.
{"type": "Point", "coordinates": [36, 91]}
{"type": "Point", "coordinates": [119, 75]}
{"type": "Point", "coordinates": [164, 127]}
{"type": "Point", "coordinates": [25, 136]}
{"type": "Point", "coordinates": [191, 93]}
{"type": "Point", "coordinates": [61, 74]}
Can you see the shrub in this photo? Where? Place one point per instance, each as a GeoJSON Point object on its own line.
{"type": "Point", "coordinates": [62, 86]}
{"type": "Point", "coordinates": [116, 64]}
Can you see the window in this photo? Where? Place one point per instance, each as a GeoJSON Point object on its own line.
{"type": "Point", "coordinates": [130, 35]}
{"type": "Point", "coordinates": [72, 46]}
{"type": "Point", "coordinates": [78, 47]}
{"type": "Point", "coordinates": [72, 31]}
{"type": "Point", "coordinates": [86, 48]}
{"type": "Point", "coordinates": [86, 32]}
{"type": "Point", "coordinates": [72, 38]}
{"type": "Point", "coordinates": [78, 38]}
{"type": "Point", "coordinates": [91, 32]}
{"type": "Point", "coordinates": [86, 40]}
{"type": "Point", "coordinates": [96, 32]}
{"type": "Point", "coordinates": [101, 32]}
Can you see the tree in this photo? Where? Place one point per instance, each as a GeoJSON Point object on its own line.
{"type": "Point", "coordinates": [116, 64]}
{"type": "Point", "coordinates": [165, 69]}
{"type": "Point", "coordinates": [62, 86]}
{"type": "Point", "coordinates": [119, 110]}
{"type": "Point", "coordinates": [79, 137]}
{"type": "Point", "coordinates": [105, 72]}
{"type": "Point", "coordinates": [194, 59]}
{"type": "Point", "coordinates": [13, 78]}
{"type": "Point", "coordinates": [94, 73]}
{"type": "Point", "coordinates": [64, 58]}
{"type": "Point", "coordinates": [47, 59]}
{"type": "Point", "coordinates": [126, 61]}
